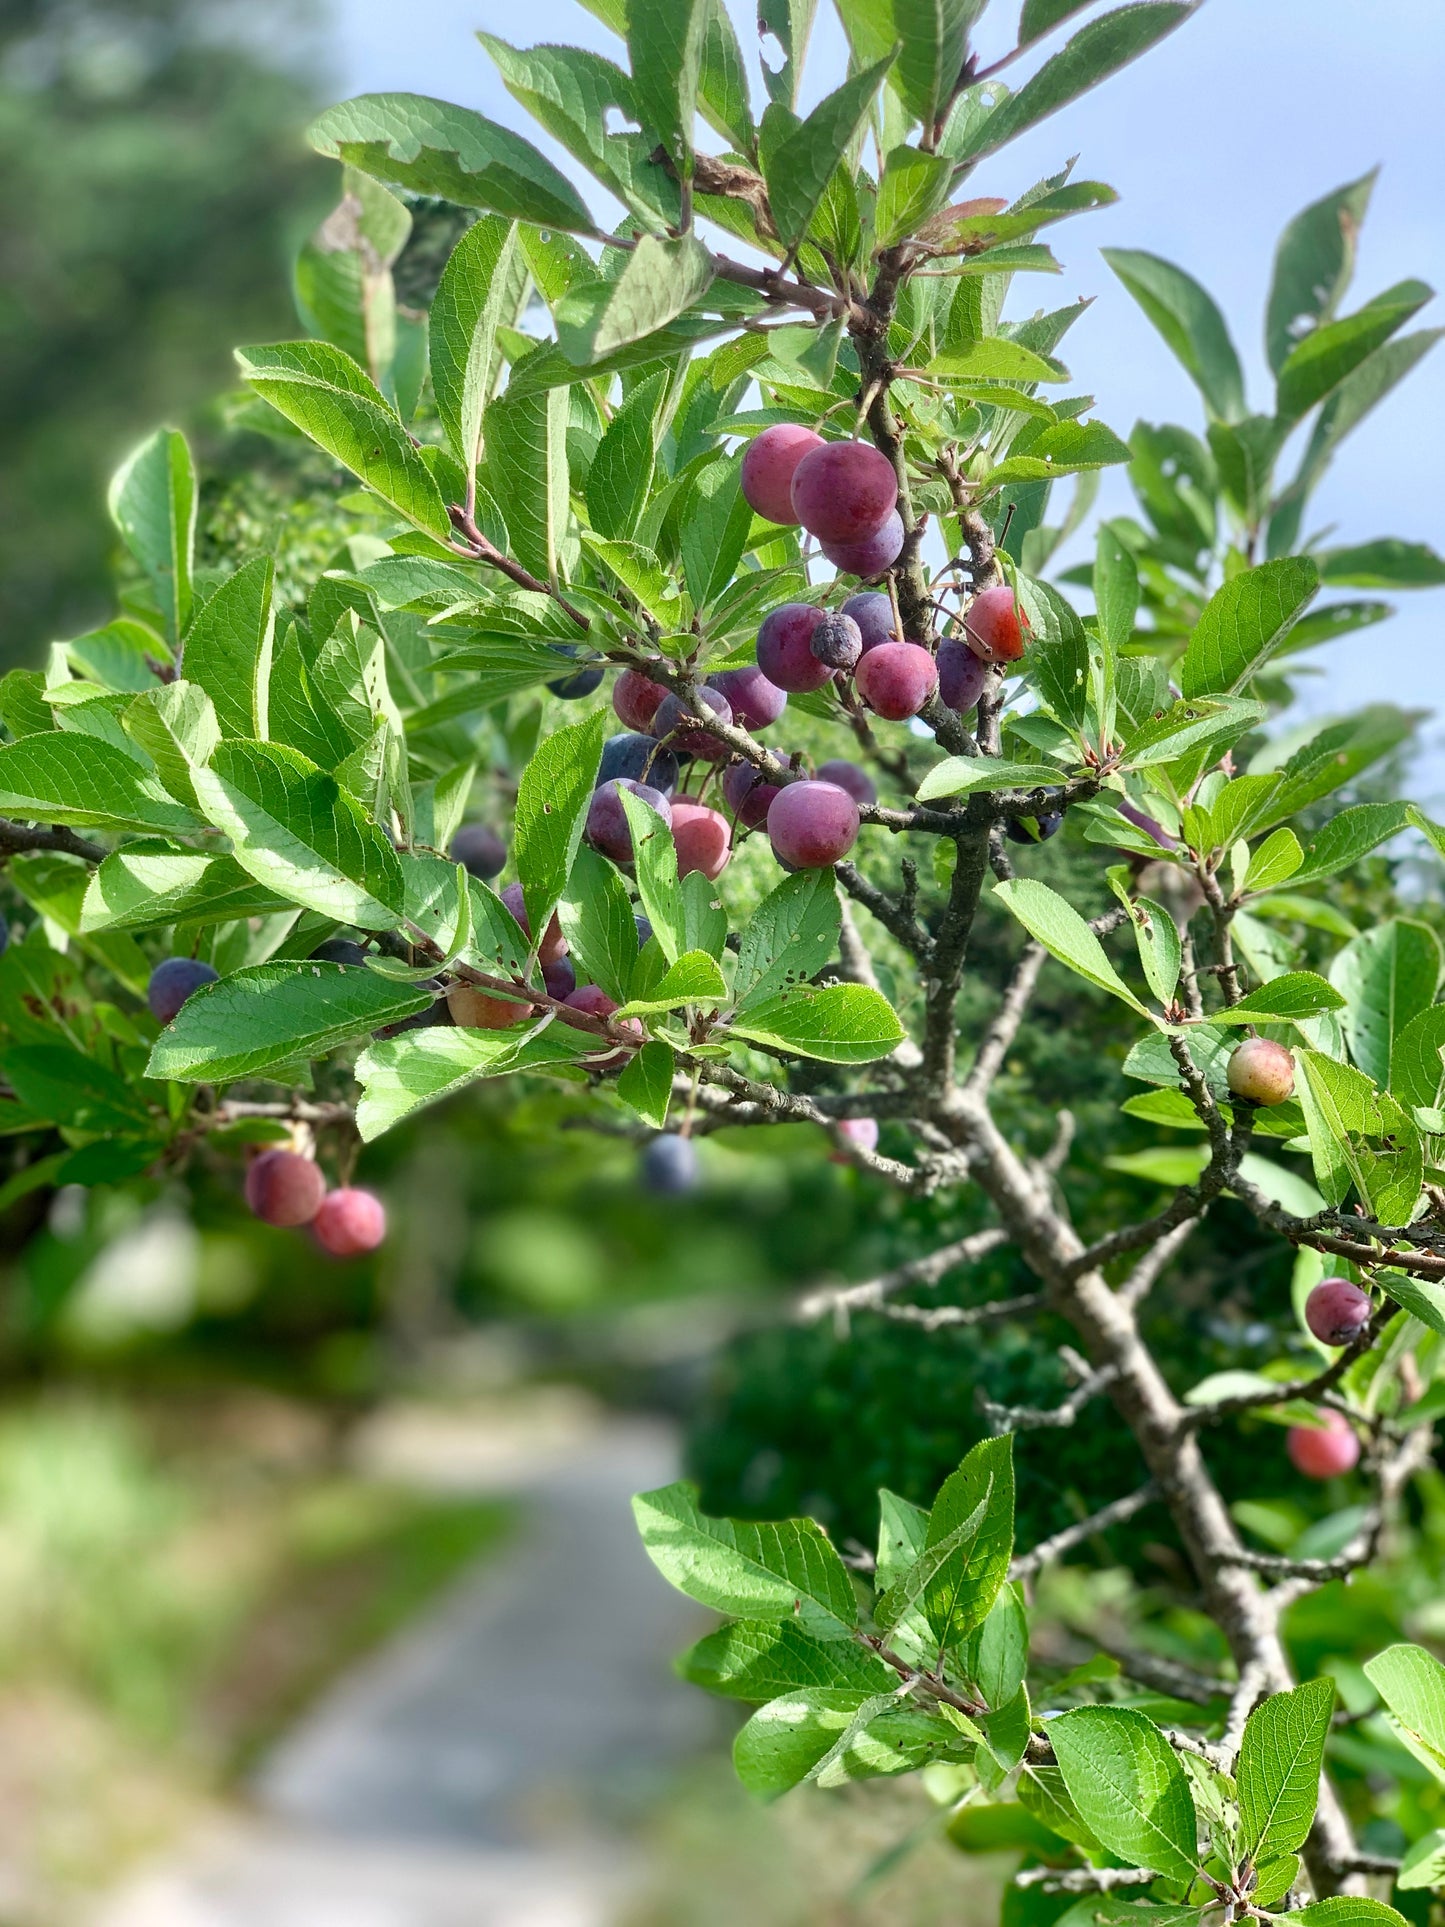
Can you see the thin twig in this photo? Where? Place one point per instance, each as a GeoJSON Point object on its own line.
{"type": "Point", "coordinates": [1075, 1535]}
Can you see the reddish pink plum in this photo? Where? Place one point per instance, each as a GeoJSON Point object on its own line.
{"type": "Point", "coordinates": [769, 462]}
{"type": "Point", "coordinates": [848, 776]}
{"type": "Point", "coordinates": [748, 793]}
{"type": "Point", "coordinates": [838, 641]}
{"type": "Point", "coordinates": [1323, 1452]}
{"type": "Point", "coordinates": [553, 944]}
{"type": "Point", "coordinates": [596, 1003]}
{"type": "Point", "coordinates": [862, 1131]}
{"type": "Point", "coordinates": [785, 648]}
{"type": "Point", "coordinates": [873, 613]}
{"type": "Point", "coordinates": [635, 699]}
{"type": "Point", "coordinates": [350, 1222]}
{"type": "Point", "coordinates": [756, 703]}
{"type": "Point", "coordinates": [1337, 1311]}
{"type": "Point", "coordinates": [473, 1009]}
{"type": "Point", "coordinates": [896, 679]}
{"type": "Point", "coordinates": [961, 675]}
{"type": "Point", "coordinates": [608, 829]}
{"type": "Point", "coordinates": [995, 626]}
{"type": "Point", "coordinates": [844, 491]}
{"type": "Point", "coordinates": [668, 725]}
{"type": "Point", "coordinates": [868, 558]}
{"type": "Point", "coordinates": [812, 825]}
{"type": "Point", "coordinates": [1260, 1071]}
{"type": "Point", "coordinates": [282, 1187]}
{"type": "Point", "coordinates": [703, 839]}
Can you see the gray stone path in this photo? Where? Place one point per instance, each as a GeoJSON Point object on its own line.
{"type": "Point", "coordinates": [472, 1772]}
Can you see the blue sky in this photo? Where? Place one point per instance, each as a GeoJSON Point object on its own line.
{"type": "Point", "coordinates": [1213, 141]}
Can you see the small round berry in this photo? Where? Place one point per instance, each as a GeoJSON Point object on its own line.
{"type": "Point", "coordinates": [608, 829]}
{"type": "Point", "coordinates": [896, 679]}
{"type": "Point", "coordinates": [1034, 829]}
{"type": "Point", "coordinates": [862, 1131]}
{"type": "Point", "coordinates": [848, 776]}
{"type": "Point", "coordinates": [1260, 1071]}
{"type": "Point", "coordinates": [756, 703]}
{"type": "Point", "coordinates": [282, 1187]}
{"type": "Point", "coordinates": [869, 558]}
{"type": "Point", "coordinates": [580, 683]}
{"type": "Point", "coordinates": [553, 944]}
{"type": "Point", "coordinates": [995, 626]}
{"type": "Point", "coordinates": [873, 613]}
{"type": "Point", "coordinates": [350, 1222]}
{"type": "Point", "coordinates": [748, 793]}
{"type": "Point", "coordinates": [703, 839]}
{"type": "Point", "coordinates": [1337, 1311]}
{"type": "Point", "coordinates": [668, 725]}
{"type": "Point", "coordinates": [472, 1008]}
{"type": "Point", "coordinates": [635, 699]}
{"type": "Point", "coordinates": [838, 641]}
{"type": "Point", "coordinates": [785, 648]}
{"type": "Point", "coordinates": [961, 675]}
{"type": "Point", "coordinates": [768, 465]}
{"type": "Point", "coordinates": [172, 982]}
{"type": "Point", "coordinates": [669, 1166]}
{"type": "Point", "coordinates": [339, 950]}
{"type": "Point", "coordinates": [844, 491]}
{"type": "Point", "coordinates": [812, 825]}
{"type": "Point", "coordinates": [642, 759]}
{"type": "Point", "coordinates": [596, 1003]}
{"type": "Point", "coordinates": [559, 979]}
{"type": "Point", "coordinates": [478, 847]}
{"type": "Point", "coordinates": [1323, 1451]}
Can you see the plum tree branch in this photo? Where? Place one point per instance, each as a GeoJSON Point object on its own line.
{"type": "Point", "coordinates": [17, 838]}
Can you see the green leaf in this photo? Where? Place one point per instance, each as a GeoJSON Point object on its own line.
{"type": "Point", "coordinates": [333, 402]}
{"type": "Point", "coordinates": [722, 88]}
{"type": "Point", "coordinates": [1278, 1770]}
{"type": "Point", "coordinates": [934, 37]}
{"type": "Point", "coordinates": [1285, 999]}
{"type": "Point", "coordinates": [1097, 50]}
{"type": "Point", "coordinates": [621, 473]}
{"type": "Point", "coordinates": [998, 1650]}
{"type": "Point", "coordinates": [665, 41]}
{"type": "Point", "coordinates": [1411, 1682]}
{"type": "Point", "coordinates": [298, 833]}
{"type": "Point", "coordinates": [438, 149]}
{"type": "Point", "coordinates": [406, 1073]}
{"type": "Point", "coordinates": [176, 727]}
{"type": "Point", "coordinates": [1276, 859]}
{"type": "Point", "coordinates": [1417, 1074]}
{"type": "Point", "coordinates": [228, 649]}
{"type": "Point", "coordinates": [757, 1660]}
{"type": "Point", "coordinates": [1054, 923]}
{"type": "Point", "coordinates": [1116, 588]}
{"type": "Point", "coordinates": [552, 800]}
{"type": "Point", "coordinates": [963, 775]}
{"type": "Point", "coordinates": [153, 504]}
{"type": "Point", "coordinates": [654, 859]}
{"type": "Point", "coordinates": [914, 185]}
{"type": "Point", "coordinates": [1058, 656]}
{"type": "Point", "coordinates": [1312, 266]}
{"type": "Point", "coordinates": [662, 280]}
{"type": "Point", "coordinates": [1243, 622]}
{"type": "Point", "coordinates": [1129, 1788]}
{"type": "Point", "coordinates": [274, 1013]}
{"type": "Point", "coordinates": [833, 1735]}
{"type": "Point", "coordinates": [1190, 323]}
{"type": "Point", "coordinates": [526, 468]}
{"type": "Point", "coordinates": [1065, 448]}
{"type": "Point", "coordinates": [1384, 564]}
{"type": "Point", "coordinates": [1424, 1862]}
{"type": "Point", "coordinates": [1042, 16]}
{"type": "Point", "coordinates": [1330, 352]}
{"type": "Point", "coordinates": [1186, 726]}
{"type": "Point", "coordinates": [789, 937]}
{"type": "Point", "coordinates": [716, 525]}
{"type": "Point", "coordinates": [597, 921]}
{"type": "Point", "coordinates": [1345, 1910]}
{"type": "Point", "coordinates": [64, 777]}
{"type": "Point", "coordinates": [645, 1084]}
{"type": "Point", "coordinates": [839, 1023]}
{"type": "Point", "coordinates": [1160, 951]}
{"type": "Point", "coordinates": [801, 166]}
{"type": "Point", "coordinates": [693, 979]}
{"type": "Point", "coordinates": [969, 1542]}
{"type": "Point", "coordinates": [995, 358]}
{"type": "Point", "coordinates": [142, 888]}
{"type": "Point", "coordinates": [60, 1084]}
{"type": "Point", "coordinates": [1388, 975]}
{"type": "Point", "coordinates": [480, 290]}
{"type": "Point", "coordinates": [776, 1570]}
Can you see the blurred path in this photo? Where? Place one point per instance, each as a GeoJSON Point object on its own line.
{"type": "Point", "coordinates": [475, 1771]}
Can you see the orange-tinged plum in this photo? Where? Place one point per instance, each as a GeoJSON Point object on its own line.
{"type": "Point", "coordinates": [350, 1222]}
{"type": "Point", "coordinates": [812, 825]}
{"type": "Point", "coordinates": [995, 626]}
{"type": "Point", "coordinates": [769, 463]}
{"type": "Point", "coordinates": [1323, 1452]}
{"type": "Point", "coordinates": [844, 491]}
{"type": "Point", "coordinates": [896, 679]}
{"type": "Point", "coordinates": [1260, 1071]}
{"type": "Point", "coordinates": [282, 1187]}
{"type": "Point", "coordinates": [473, 1008]}
{"type": "Point", "coordinates": [702, 837]}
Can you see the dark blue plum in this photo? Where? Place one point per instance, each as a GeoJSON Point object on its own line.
{"type": "Point", "coordinates": [581, 683]}
{"type": "Point", "coordinates": [339, 950]}
{"type": "Point", "coordinates": [478, 847]}
{"type": "Point", "coordinates": [4, 933]}
{"type": "Point", "coordinates": [172, 982]}
{"type": "Point", "coordinates": [638, 759]}
{"type": "Point", "coordinates": [1034, 829]}
{"type": "Point", "coordinates": [669, 1166]}
{"type": "Point", "coordinates": [435, 1013]}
